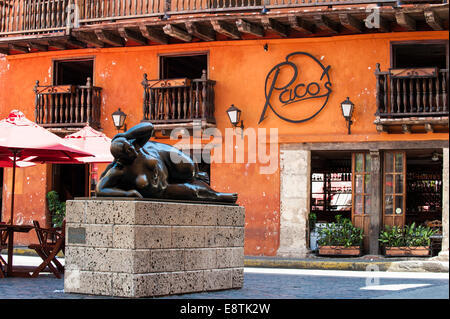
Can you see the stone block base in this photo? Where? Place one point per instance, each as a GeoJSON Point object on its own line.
{"type": "Point", "coordinates": [138, 248]}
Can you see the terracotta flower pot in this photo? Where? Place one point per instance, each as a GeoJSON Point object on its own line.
{"type": "Point", "coordinates": [407, 251]}
{"type": "Point", "coordinates": [340, 250]}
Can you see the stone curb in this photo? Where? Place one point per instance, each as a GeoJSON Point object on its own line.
{"type": "Point", "coordinates": [360, 265]}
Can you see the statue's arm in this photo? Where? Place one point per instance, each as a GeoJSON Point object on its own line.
{"type": "Point", "coordinates": [107, 186]}
{"type": "Point", "coordinates": [140, 133]}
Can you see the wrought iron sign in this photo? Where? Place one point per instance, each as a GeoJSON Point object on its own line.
{"type": "Point", "coordinates": [283, 90]}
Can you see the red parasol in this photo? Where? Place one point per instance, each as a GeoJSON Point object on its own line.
{"type": "Point", "coordinates": [93, 142]}
{"type": "Point", "coordinates": [89, 140]}
{"type": "Point", "coordinates": [21, 138]}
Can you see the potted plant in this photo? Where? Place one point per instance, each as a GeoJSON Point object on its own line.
{"type": "Point", "coordinates": [340, 238]}
{"type": "Point", "coordinates": [57, 208]}
{"type": "Point", "coordinates": [409, 240]}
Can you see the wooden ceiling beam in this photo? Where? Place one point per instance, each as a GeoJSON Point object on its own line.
{"type": "Point", "coordinates": [227, 29]}
{"type": "Point", "coordinates": [109, 37]}
{"type": "Point", "coordinates": [57, 45]}
{"type": "Point", "coordinates": [275, 26]}
{"type": "Point", "coordinates": [250, 28]}
{"type": "Point", "coordinates": [75, 43]}
{"type": "Point", "coordinates": [301, 25]}
{"type": "Point", "coordinates": [429, 128]}
{"type": "Point", "coordinates": [405, 21]}
{"type": "Point", "coordinates": [38, 46]}
{"type": "Point", "coordinates": [325, 23]}
{"type": "Point", "coordinates": [201, 32]}
{"type": "Point", "coordinates": [18, 47]}
{"type": "Point", "coordinates": [176, 32]}
{"type": "Point", "coordinates": [433, 20]}
{"type": "Point", "coordinates": [153, 34]}
{"type": "Point", "coordinates": [128, 34]}
{"type": "Point", "coordinates": [88, 38]}
{"type": "Point", "coordinates": [351, 23]}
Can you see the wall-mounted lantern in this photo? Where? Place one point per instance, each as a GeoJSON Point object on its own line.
{"type": "Point", "coordinates": [234, 114]}
{"type": "Point", "coordinates": [119, 120]}
{"type": "Point", "coordinates": [347, 111]}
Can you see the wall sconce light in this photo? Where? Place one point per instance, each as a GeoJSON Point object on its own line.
{"type": "Point", "coordinates": [347, 111]}
{"type": "Point", "coordinates": [266, 47]}
{"type": "Point", "coordinates": [119, 120]}
{"type": "Point", "coordinates": [234, 114]}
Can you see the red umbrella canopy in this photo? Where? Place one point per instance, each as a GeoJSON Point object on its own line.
{"type": "Point", "coordinates": [21, 138]}
{"type": "Point", "coordinates": [18, 134]}
{"type": "Point", "coordinates": [93, 142]}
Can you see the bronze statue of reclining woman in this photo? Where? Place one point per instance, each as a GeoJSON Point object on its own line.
{"type": "Point", "coordinates": [148, 169]}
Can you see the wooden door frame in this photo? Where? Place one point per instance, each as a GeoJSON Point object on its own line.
{"type": "Point", "coordinates": [365, 216]}
{"type": "Point", "coordinates": [395, 221]}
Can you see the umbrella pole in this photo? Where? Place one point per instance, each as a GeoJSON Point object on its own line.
{"type": "Point", "coordinates": [13, 186]}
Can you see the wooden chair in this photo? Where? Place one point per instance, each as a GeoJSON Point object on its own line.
{"type": "Point", "coordinates": [3, 245]}
{"type": "Point", "coordinates": [51, 242]}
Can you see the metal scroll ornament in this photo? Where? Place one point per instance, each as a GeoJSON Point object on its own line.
{"type": "Point", "coordinates": [295, 90]}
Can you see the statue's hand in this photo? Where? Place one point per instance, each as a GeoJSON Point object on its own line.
{"type": "Point", "coordinates": [134, 193]}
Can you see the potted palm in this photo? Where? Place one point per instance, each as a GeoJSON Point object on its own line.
{"type": "Point", "coordinates": [409, 240]}
{"type": "Point", "coordinates": [340, 238]}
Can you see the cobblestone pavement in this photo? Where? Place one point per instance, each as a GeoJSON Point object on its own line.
{"type": "Point", "coordinates": [262, 283]}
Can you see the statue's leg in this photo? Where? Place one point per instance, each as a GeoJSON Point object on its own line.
{"type": "Point", "coordinates": [198, 190]}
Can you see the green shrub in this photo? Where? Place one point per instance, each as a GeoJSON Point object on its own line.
{"type": "Point", "coordinates": [57, 208]}
{"type": "Point", "coordinates": [407, 236]}
{"type": "Point", "coordinates": [340, 233]}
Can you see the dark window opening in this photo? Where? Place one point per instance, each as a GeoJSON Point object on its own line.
{"type": "Point", "coordinates": [74, 72]}
{"type": "Point", "coordinates": [189, 66]}
{"type": "Point", "coordinates": [419, 55]}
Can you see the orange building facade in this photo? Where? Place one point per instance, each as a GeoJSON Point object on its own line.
{"type": "Point", "coordinates": [290, 92]}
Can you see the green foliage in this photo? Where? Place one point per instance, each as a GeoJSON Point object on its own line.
{"type": "Point", "coordinates": [407, 236]}
{"type": "Point", "coordinates": [56, 208]}
{"type": "Point", "coordinates": [340, 233]}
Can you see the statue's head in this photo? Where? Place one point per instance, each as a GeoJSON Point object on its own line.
{"type": "Point", "coordinates": [123, 150]}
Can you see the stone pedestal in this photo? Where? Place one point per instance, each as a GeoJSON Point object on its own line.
{"type": "Point", "coordinates": [138, 248]}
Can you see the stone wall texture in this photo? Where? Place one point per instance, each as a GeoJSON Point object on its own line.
{"type": "Point", "coordinates": [134, 248]}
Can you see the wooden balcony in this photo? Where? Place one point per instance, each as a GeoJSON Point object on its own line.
{"type": "Point", "coordinates": [412, 100]}
{"type": "Point", "coordinates": [44, 25]}
{"type": "Point", "coordinates": [171, 103]}
{"type": "Point", "coordinates": [62, 108]}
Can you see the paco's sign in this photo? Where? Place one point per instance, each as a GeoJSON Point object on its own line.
{"type": "Point", "coordinates": [297, 89]}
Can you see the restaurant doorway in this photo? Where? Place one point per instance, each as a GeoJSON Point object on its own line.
{"type": "Point", "coordinates": [70, 180]}
{"type": "Point", "coordinates": [424, 187]}
{"type": "Point", "coordinates": [412, 187]}
{"type": "Point", "coordinates": [331, 185]}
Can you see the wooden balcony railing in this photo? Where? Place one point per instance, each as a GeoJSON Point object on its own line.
{"type": "Point", "coordinates": [92, 11]}
{"type": "Point", "coordinates": [412, 92]}
{"type": "Point", "coordinates": [36, 16]}
{"type": "Point", "coordinates": [28, 17]}
{"type": "Point", "coordinates": [178, 100]}
{"type": "Point", "coordinates": [64, 106]}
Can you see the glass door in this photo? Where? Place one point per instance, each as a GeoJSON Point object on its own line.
{"type": "Point", "coordinates": [394, 192]}
{"type": "Point", "coordinates": [361, 171]}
